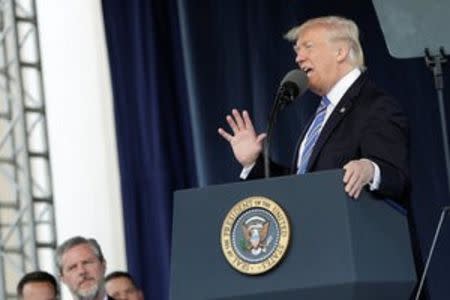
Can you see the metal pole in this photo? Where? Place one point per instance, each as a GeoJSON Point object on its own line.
{"type": "Point", "coordinates": [430, 253]}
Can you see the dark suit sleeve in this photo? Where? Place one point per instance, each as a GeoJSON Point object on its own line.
{"type": "Point", "coordinates": [275, 169]}
{"type": "Point", "coordinates": [385, 142]}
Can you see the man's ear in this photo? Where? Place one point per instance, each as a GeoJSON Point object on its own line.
{"type": "Point", "coordinates": [343, 51]}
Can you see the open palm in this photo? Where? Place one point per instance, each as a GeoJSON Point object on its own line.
{"type": "Point", "coordinates": [244, 141]}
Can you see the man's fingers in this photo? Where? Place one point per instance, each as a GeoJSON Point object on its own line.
{"type": "Point", "coordinates": [354, 184]}
{"type": "Point", "coordinates": [238, 118]}
{"type": "Point", "coordinates": [356, 188]}
{"type": "Point", "coordinates": [225, 134]}
{"type": "Point", "coordinates": [247, 121]}
{"type": "Point", "coordinates": [232, 124]}
{"type": "Point", "coordinates": [352, 180]}
{"type": "Point", "coordinates": [261, 137]}
{"type": "Point", "coordinates": [346, 175]}
{"type": "Point", "coordinates": [348, 172]}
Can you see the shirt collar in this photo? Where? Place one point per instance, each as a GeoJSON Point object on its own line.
{"type": "Point", "coordinates": [339, 89]}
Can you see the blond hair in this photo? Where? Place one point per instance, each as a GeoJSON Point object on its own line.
{"type": "Point", "coordinates": [340, 29]}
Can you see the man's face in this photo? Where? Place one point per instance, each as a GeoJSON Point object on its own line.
{"type": "Point", "coordinates": [121, 288]}
{"type": "Point", "coordinates": [319, 58]}
{"type": "Point", "coordinates": [38, 291]}
{"type": "Point", "coordinates": [82, 271]}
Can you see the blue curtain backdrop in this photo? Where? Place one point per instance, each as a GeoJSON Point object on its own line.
{"type": "Point", "coordinates": [153, 131]}
{"type": "Point", "coordinates": [178, 67]}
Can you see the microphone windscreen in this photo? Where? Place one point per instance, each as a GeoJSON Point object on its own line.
{"type": "Point", "coordinates": [296, 81]}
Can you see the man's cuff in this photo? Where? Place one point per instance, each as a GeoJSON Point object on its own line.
{"type": "Point", "coordinates": [375, 183]}
{"type": "Point", "coordinates": [246, 170]}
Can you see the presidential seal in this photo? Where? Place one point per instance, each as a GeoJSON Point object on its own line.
{"type": "Point", "coordinates": [255, 235]}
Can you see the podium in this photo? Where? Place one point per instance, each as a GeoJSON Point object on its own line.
{"type": "Point", "coordinates": [339, 248]}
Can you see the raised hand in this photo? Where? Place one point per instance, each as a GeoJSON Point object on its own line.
{"type": "Point", "coordinates": [244, 141]}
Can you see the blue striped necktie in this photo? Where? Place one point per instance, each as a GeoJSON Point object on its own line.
{"type": "Point", "coordinates": [313, 134]}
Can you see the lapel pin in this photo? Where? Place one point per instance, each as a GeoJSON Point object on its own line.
{"type": "Point", "coordinates": [342, 110]}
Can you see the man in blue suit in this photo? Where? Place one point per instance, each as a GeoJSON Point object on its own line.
{"type": "Point", "coordinates": [356, 127]}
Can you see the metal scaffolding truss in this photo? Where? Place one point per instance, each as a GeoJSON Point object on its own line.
{"type": "Point", "coordinates": [27, 223]}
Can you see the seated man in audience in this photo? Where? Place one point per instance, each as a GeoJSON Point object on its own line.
{"type": "Point", "coordinates": [121, 286]}
{"type": "Point", "coordinates": [38, 285]}
{"type": "Point", "coordinates": [82, 268]}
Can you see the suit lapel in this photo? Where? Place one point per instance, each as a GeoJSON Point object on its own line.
{"type": "Point", "coordinates": [340, 111]}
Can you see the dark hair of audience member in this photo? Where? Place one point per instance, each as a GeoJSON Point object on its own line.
{"type": "Point", "coordinates": [37, 276]}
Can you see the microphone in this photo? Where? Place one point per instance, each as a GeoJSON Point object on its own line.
{"type": "Point", "coordinates": [293, 85]}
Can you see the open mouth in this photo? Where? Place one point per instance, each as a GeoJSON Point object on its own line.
{"type": "Point", "coordinates": [307, 70]}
